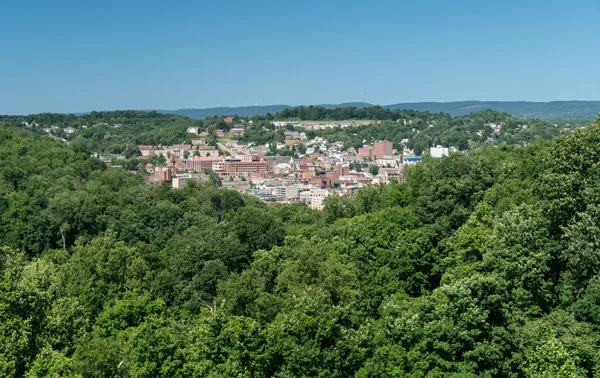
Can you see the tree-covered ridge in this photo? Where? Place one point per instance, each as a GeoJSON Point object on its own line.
{"type": "Point", "coordinates": [423, 130]}
{"type": "Point", "coordinates": [112, 132]}
{"type": "Point", "coordinates": [415, 130]}
{"type": "Point", "coordinates": [572, 110]}
{"type": "Point", "coordinates": [320, 113]}
{"type": "Point", "coordinates": [481, 264]}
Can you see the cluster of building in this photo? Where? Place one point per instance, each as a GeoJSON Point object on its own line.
{"type": "Point", "coordinates": [68, 130]}
{"type": "Point", "coordinates": [315, 126]}
{"type": "Point", "coordinates": [50, 130]}
{"type": "Point", "coordinates": [198, 148]}
{"type": "Point", "coordinates": [324, 170]}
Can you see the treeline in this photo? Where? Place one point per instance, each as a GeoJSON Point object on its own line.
{"type": "Point", "coordinates": [121, 117]}
{"type": "Point", "coordinates": [320, 113]}
{"type": "Point", "coordinates": [481, 264]}
{"type": "Point", "coordinates": [375, 113]}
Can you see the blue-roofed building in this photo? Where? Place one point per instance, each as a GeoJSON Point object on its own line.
{"type": "Point", "coordinates": [412, 160]}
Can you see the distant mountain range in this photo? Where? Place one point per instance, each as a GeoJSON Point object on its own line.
{"type": "Point", "coordinates": [520, 109]}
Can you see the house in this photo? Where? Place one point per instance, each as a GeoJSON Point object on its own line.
{"type": "Point", "coordinates": [228, 119]}
{"type": "Point", "coordinates": [237, 131]}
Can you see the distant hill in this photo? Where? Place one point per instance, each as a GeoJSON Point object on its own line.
{"type": "Point", "coordinates": [521, 109]}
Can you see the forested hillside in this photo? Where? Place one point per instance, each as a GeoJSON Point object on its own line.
{"type": "Point", "coordinates": [112, 132]}
{"type": "Point", "coordinates": [423, 130]}
{"type": "Point", "coordinates": [483, 263]}
{"type": "Point", "coordinates": [583, 110]}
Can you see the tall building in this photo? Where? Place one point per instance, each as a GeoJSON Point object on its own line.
{"type": "Point", "coordinates": [382, 148]}
{"type": "Point", "coordinates": [365, 152]}
{"type": "Point", "coordinates": [343, 170]}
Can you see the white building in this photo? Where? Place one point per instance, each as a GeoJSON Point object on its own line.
{"type": "Point", "coordinates": [314, 198]}
{"type": "Point", "coordinates": [288, 192]}
{"type": "Point", "coordinates": [282, 169]}
{"type": "Point", "coordinates": [392, 162]}
{"type": "Point", "coordinates": [438, 152]}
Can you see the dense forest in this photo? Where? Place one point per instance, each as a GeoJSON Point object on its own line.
{"type": "Point", "coordinates": [376, 112]}
{"type": "Point", "coordinates": [483, 263]}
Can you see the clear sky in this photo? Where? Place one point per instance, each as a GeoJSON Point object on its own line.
{"type": "Point", "coordinates": [72, 56]}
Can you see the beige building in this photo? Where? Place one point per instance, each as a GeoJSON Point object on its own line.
{"type": "Point", "coordinates": [179, 182]}
{"type": "Point", "coordinates": [314, 198]}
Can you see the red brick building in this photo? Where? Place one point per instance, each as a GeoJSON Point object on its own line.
{"type": "Point", "coordinates": [365, 152]}
{"type": "Point", "coordinates": [343, 170]}
{"type": "Point", "coordinates": [382, 148]}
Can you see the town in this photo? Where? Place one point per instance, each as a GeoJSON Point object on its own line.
{"type": "Point", "coordinates": [286, 158]}
{"type": "Point", "coordinates": [322, 168]}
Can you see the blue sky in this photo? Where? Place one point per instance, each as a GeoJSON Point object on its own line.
{"type": "Point", "coordinates": [71, 56]}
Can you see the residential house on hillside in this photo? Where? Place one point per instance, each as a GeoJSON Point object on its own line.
{"type": "Point", "coordinates": [237, 131]}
